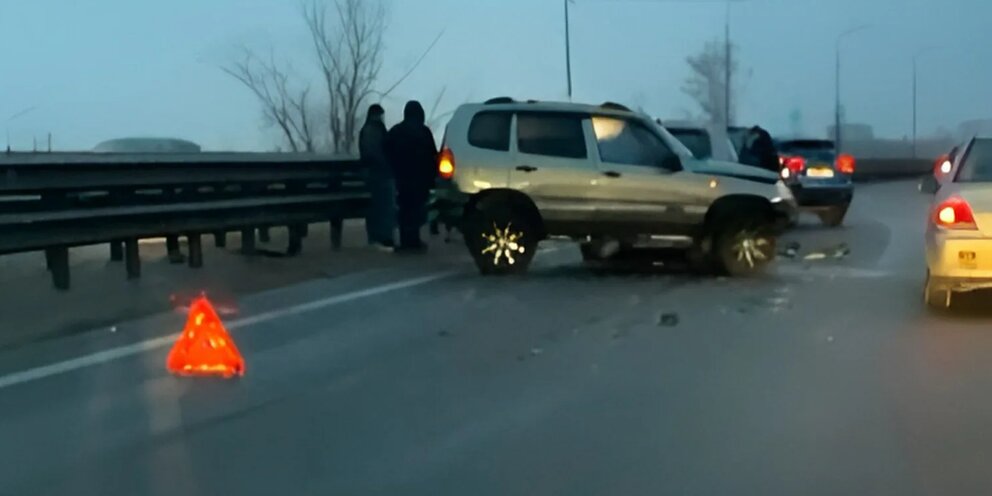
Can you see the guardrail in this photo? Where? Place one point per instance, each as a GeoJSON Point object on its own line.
{"type": "Point", "coordinates": [54, 202]}
{"type": "Point", "coordinates": [874, 169]}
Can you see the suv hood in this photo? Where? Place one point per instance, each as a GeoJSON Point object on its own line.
{"type": "Point", "coordinates": [730, 169]}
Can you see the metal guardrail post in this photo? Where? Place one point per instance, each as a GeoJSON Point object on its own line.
{"type": "Point", "coordinates": [116, 251]}
{"type": "Point", "coordinates": [337, 225]}
{"type": "Point", "coordinates": [172, 248]}
{"type": "Point", "coordinates": [132, 259]}
{"type": "Point", "coordinates": [248, 241]}
{"type": "Point", "coordinates": [295, 240]}
{"type": "Point", "coordinates": [59, 265]}
{"type": "Point", "coordinates": [195, 250]}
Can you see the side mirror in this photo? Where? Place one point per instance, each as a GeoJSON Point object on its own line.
{"type": "Point", "coordinates": [929, 185]}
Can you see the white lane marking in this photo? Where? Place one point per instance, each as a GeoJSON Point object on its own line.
{"type": "Point", "coordinates": [105, 356]}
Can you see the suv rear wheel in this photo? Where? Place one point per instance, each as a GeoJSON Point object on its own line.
{"type": "Point", "coordinates": [744, 247]}
{"type": "Point", "coordinates": [502, 239]}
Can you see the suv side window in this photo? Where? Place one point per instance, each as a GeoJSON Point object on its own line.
{"type": "Point", "coordinates": [629, 142]}
{"type": "Point", "coordinates": [490, 130]}
{"type": "Point", "coordinates": [551, 134]}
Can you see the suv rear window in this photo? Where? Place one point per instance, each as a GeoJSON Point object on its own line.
{"type": "Point", "coordinates": [490, 130]}
{"type": "Point", "coordinates": [977, 164]}
{"type": "Point", "coordinates": [552, 134]}
{"type": "Point", "coordinates": [809, 149]}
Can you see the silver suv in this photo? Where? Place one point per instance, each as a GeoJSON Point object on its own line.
{"type": "Point", "coordinates": [514, 173]}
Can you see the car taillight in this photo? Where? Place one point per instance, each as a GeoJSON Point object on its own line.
{"type": "Point", "coordinates": [845, 164]}
{"type": "Point", "coordinates": [794, 164]}
{"type": "Point", "coordinates": [943, 165]}
{"type": "Point", "coordinates": [954, 213]}
{"type": "Point", "coordinates": [446, 164]}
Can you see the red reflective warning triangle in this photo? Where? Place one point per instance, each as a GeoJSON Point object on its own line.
{"type": "Point", "coordinates": [204, 347]}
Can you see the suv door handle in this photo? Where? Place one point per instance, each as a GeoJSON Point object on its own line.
{"type": "Point", "coordinates": [612, 174]}
{"type": "Point", "coordinates": [526, 168]}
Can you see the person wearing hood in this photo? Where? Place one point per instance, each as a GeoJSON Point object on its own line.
{"type": "Point", "coordinates": [413, 154]}
{"type": "Point", "coordinates": [759, 150]}
{"type": "Point", "coordinates": [380, 221]}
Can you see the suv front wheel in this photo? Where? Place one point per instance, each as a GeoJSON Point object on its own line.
{"type": "Point", "coordinates": [501, 239]}
{"type": "Point", "coordinates": [744, 247]}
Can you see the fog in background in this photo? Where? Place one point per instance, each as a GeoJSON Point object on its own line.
{"type": "Point", "coordinates": [101, 69]}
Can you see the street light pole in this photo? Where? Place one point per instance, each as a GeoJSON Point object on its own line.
{"type": "Point", "coordinates": [727, 70]}
{"type": "Point", "coordinates": [568, 52]}
{"type": "Point", "coordinates": [915, 60]}
{"type": "Point", "coordinates": [838, 134]}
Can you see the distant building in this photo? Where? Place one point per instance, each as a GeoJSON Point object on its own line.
{"type": "Point", "coordinates": [147, 145]}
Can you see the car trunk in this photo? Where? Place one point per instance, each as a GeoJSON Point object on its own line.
{"type": "Point", "coordinates": [979, 198]}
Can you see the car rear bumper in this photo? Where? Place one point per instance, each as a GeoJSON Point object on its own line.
{"type": "Point", "coordinates": [966, 260]}
{"type": "Point", "coordinates": [823, 196]}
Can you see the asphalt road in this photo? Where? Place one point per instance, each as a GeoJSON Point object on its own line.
{"type": "Point", "coordinates": [826, 377]}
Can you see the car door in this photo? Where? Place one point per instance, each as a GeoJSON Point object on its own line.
{"type": "Point", "coordinates": [639, 191]}
{"type": "Point", "coordinates": [553, 165]}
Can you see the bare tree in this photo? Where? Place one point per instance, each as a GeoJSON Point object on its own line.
{"type": "Point", "coordinates": [288, 109]}
{"type": "Point", "coordinates": [706, 83]}
{"type": "Point", "coordinates": [349, 54]}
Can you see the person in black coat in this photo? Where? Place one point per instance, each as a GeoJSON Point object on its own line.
{"type": "Point", "coordinates": [759, 150]}
{"type": "Point", "coordinates": [413, 154]}
{"type": "Point", "coordinates": [381, 219]}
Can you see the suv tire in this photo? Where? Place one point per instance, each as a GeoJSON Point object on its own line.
{"type": "Point", "coordinates": [834, 216]}
{"type": "Point", "coordinates": [744, 247]}
{"type": "Point", "coordinates": [502, 239]}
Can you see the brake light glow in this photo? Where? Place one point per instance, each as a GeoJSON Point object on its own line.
{"type": "Point", "coordinates": [446, 164]}
{"type": "Point", "coordinates": [845, 164]}
{"type": "Point", "coordinates": [954, 213]}
{"type": "Point", "coordinates": [794, 164]}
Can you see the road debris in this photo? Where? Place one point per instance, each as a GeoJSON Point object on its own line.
{"type": "Point", "coordinates": [841, 251]}
{"type": "Point", "coordinates": [536, 351]}
{"type": "Point", "coordinates": [791, 250]}
{"type": "Point", "coordinates": [670, 319]}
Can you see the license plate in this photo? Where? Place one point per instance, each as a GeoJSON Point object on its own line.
{"type": "Point", "coordinates": [967, 259]}
{"type": "Point", "coordinates": [820, 172]}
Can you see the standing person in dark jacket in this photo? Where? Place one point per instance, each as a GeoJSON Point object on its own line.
{"type": "Point", "coordinates": [413, 154]}
{"type": "Point", "coordinates": [759, 150]}
{"type": "Point", "coordinates": [381, 218]}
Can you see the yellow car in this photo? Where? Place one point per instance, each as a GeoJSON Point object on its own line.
{"type": "Point", "coordinates": [959, 230]}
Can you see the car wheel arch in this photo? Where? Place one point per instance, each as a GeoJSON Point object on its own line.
{"type": "Point", "coordinates": [515, 199]}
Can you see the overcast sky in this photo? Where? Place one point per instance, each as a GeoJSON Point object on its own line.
{"type": "Point", "coordinates": [100, 69]}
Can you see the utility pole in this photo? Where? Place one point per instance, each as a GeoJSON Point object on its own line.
{"type": "Point", "coordinates": [726, 97]}
{"type": "Point", "coordinates": [568, 52]}
{"type": "Point", "coordinates": [838, 134]}
{"type": "Point", "coordinates": [915, 59]}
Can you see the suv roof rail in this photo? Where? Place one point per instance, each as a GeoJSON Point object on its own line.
{"type": "Point", "coordinates": [500, 99]}
{"type": "Point", "coordinates": [615, 106]}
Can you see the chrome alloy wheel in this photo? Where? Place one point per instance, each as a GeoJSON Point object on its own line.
{"type": "Point", "coordinates": [503, 244]}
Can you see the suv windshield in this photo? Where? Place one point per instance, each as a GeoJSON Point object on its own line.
{"type": "Point", "coordinates": [809, 149]}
